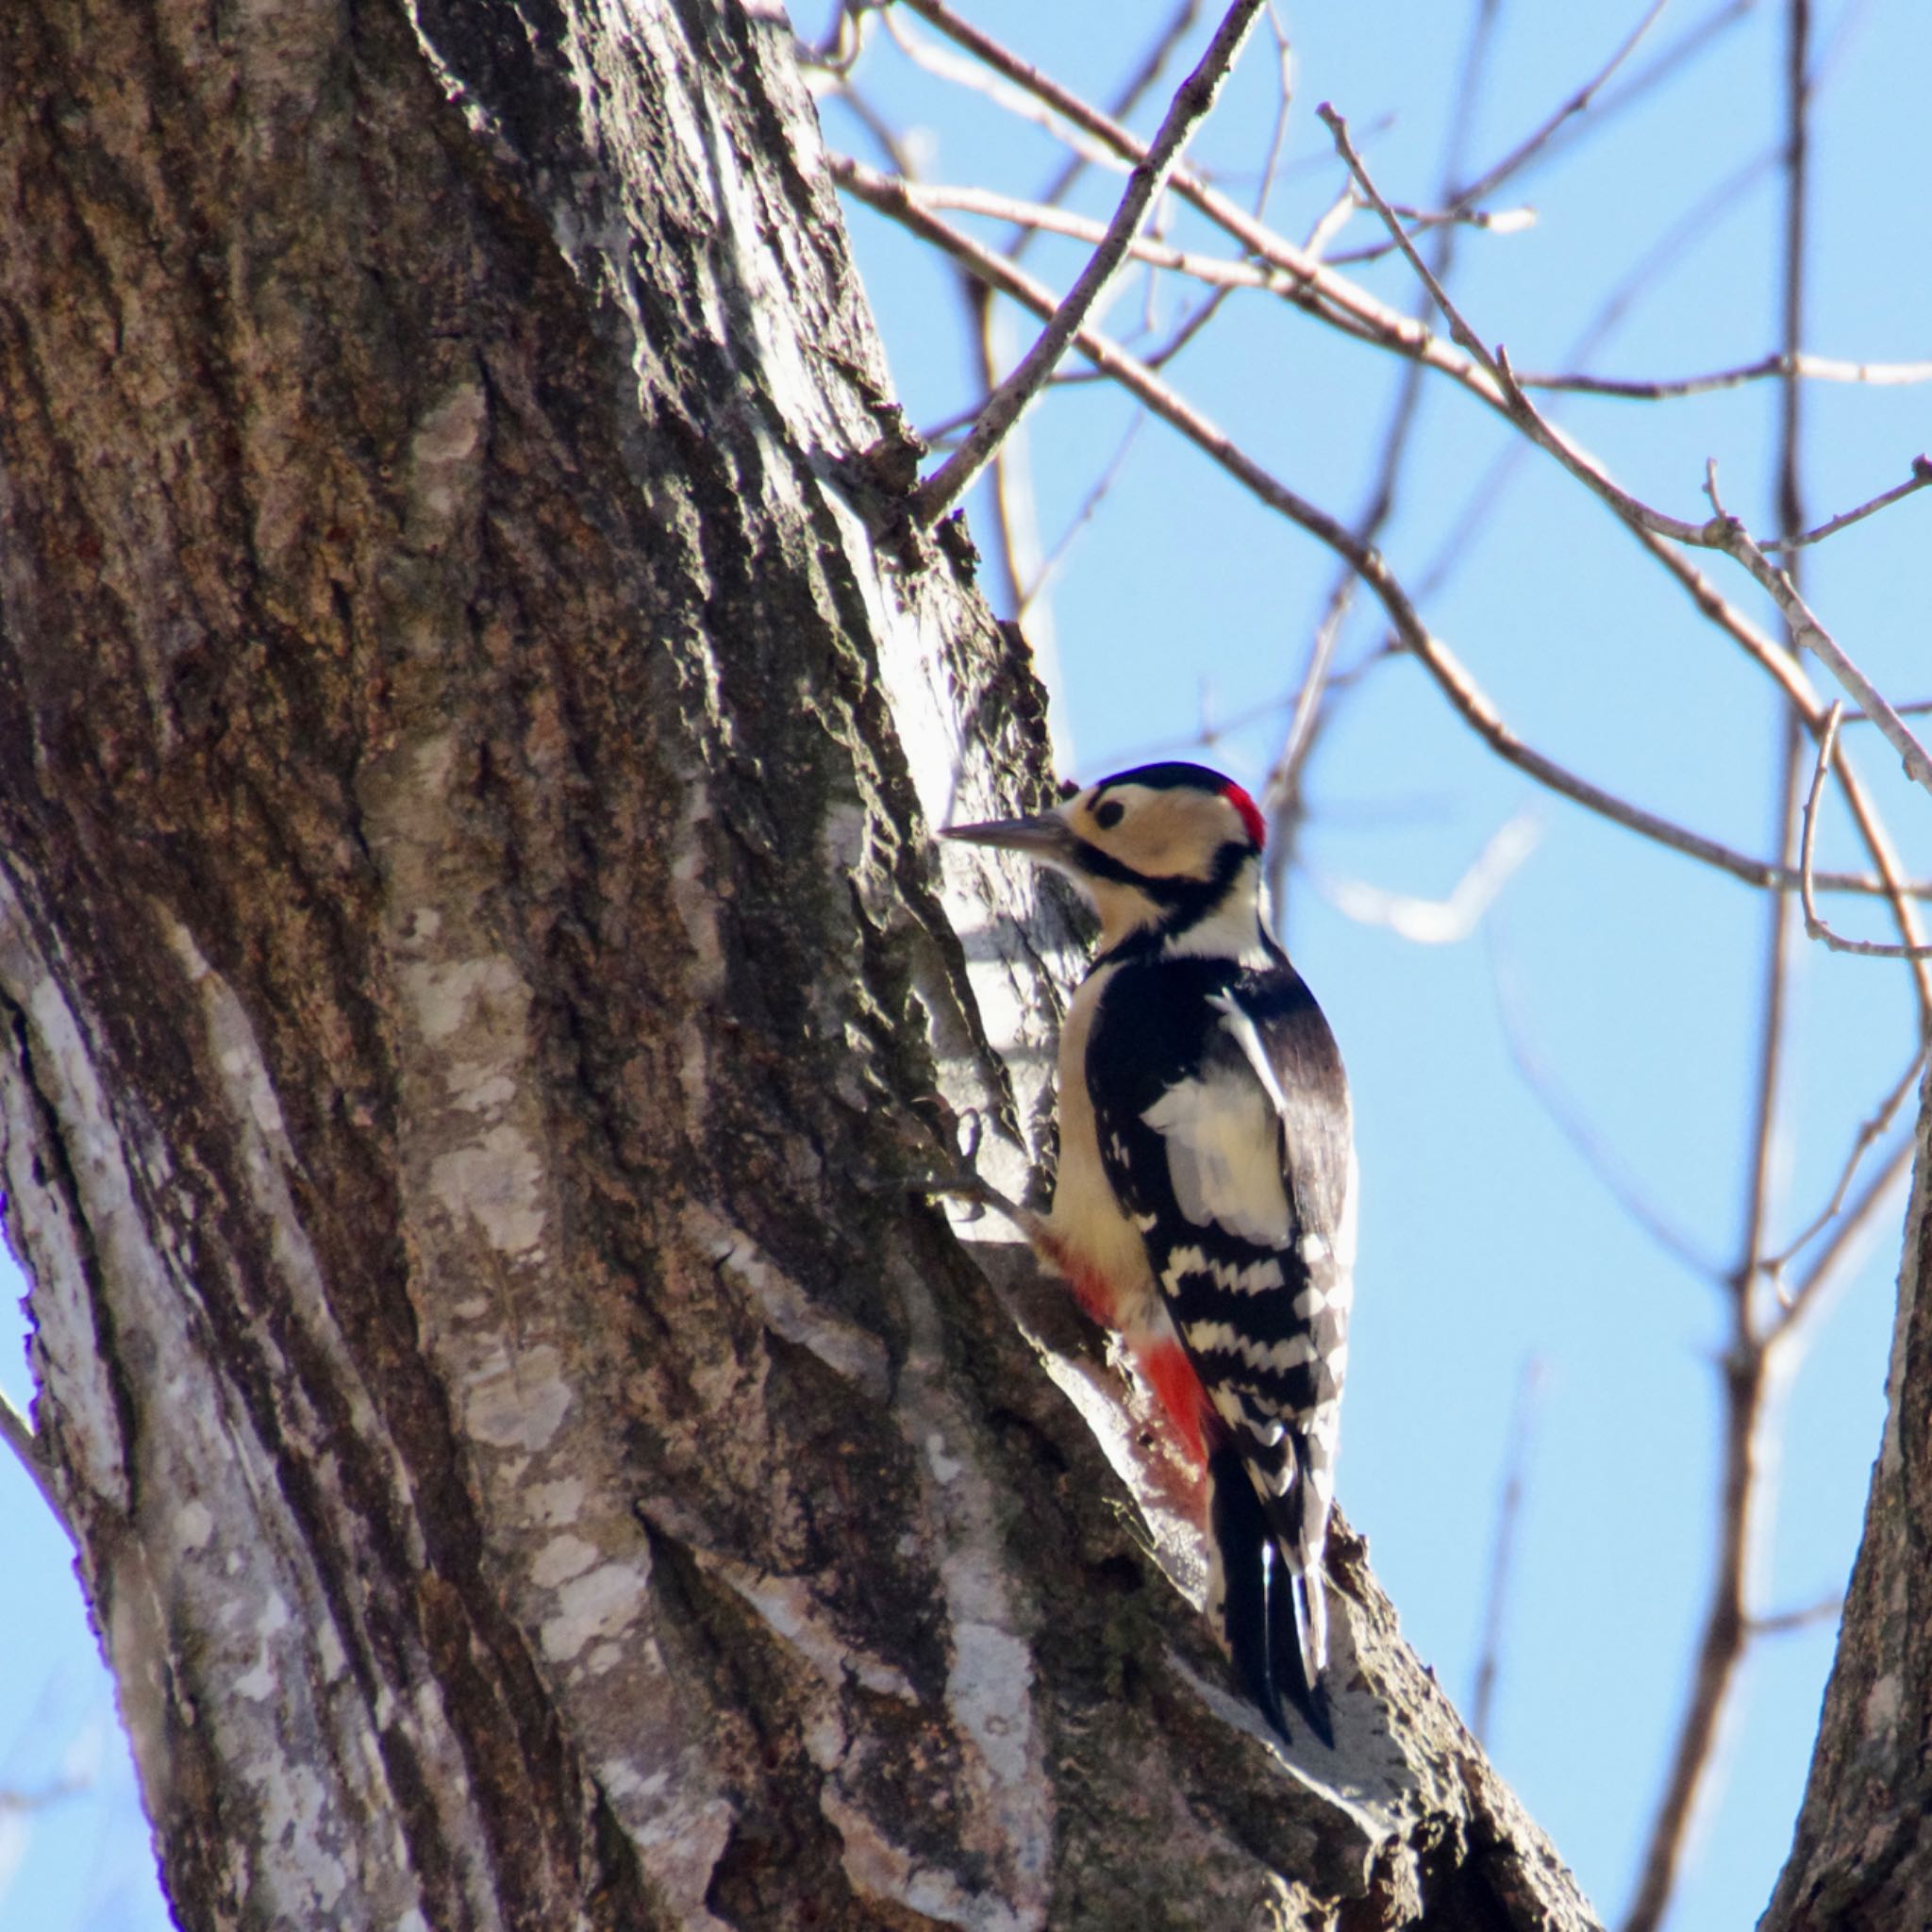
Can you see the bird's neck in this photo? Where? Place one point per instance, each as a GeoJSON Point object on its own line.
{"type": "Point", "coordinates": [1231, 929]}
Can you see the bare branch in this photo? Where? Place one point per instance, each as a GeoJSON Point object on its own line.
{"type": "Point", "coordinates": [1467, 697]}
{"type": "Point", "coordinates": [1190, 105]}
{"type": "Point", "coordinates": [1918, 707]}
{"type": "Point", "coordinates": [1830, 1262]}
{"type": "Point", "coordinates": [1501, 384]}
{"type": "Point", "coordinates": [1782, 1623]}
{"type": "Point", "coordinates": [1728, 534]}
{"type": "Point", "coordinates": [1012, 84]}
{"type": "Point", "coordinates": [1161, 50]}
{"type": "Point", "coordinates": [1869, 1130]}
{"type": "Point", "coordinates": [1502, 220]}
{"type": "Point", "coordinates": [1050, 564]}
{"type": "Point", "coordinates": [1222, 273]}
{"type": "Point", "coordinates": [1777, 661]}
{"type": "Point", "coordinates": [1809, 368]}
{"type": "Point", "coordinates": [1814, 926]}
{"type": "Point", "coordinates": [1583, 1137]}
{"type": "Point", "coordinates": [1668, 62]}
{"type": "Point", "coordinates": [1214, 270]}
{"type": "Point", "coordinates": [1720, 532]}
{"type": "Point", "coordinates": [1921, 475]}
{"type": "Point", "coordinates": [1576, 104]}
{"type": "Point", "coordinates": [1523, 1418]}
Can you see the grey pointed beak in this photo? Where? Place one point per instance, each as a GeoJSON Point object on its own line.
{"type": "Point", "coordinates": [1044, 836]}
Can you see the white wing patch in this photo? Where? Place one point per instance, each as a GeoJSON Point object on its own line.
{"type": "Point", "coordinates": [1238, 1024]}
{"type": "Point", "coordinates": [1222, 1153]}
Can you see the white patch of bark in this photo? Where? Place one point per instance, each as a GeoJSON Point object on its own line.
{"type": "Point", "coordinates": [846, 1349]}
{"type": "Point", "coordinates": [1008, 1798]}
{"type": "Point", "coordinates": [791, 1609]}
{"type": "Point", "coordinates": [204, 1551]}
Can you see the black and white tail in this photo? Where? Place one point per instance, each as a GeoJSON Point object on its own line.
{"type": "Point", "coordinates": [1266, 1593]}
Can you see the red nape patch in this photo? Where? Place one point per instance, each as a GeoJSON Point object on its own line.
{"type": "Point", "coordinates": [1250, 811]}
{"type": "Point", "coordinates": [1167, 1367]}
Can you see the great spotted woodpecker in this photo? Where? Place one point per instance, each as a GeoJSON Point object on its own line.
{"type": "Point", "coordinates": [1205, 1204]}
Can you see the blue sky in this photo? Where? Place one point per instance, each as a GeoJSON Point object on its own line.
{"type": "Point", "coordinates": [1633, 972]}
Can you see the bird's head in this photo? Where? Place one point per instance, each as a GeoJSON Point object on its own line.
{"type": "Point", "coordinates": [1172, 851]}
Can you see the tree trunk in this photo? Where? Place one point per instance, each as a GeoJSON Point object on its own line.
{"type": "Point", "coordinates": [1863, 1858]}
{"type": "Point", "coordinates": [478, 997]}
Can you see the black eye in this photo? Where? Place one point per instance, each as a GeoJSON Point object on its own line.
{"type": "Point", "coordinates": [1108, 814]}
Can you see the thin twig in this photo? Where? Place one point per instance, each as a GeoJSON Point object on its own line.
{"type": "Point", "coordinates": [1339, 302]}
{"type": "Point", "coordinates": [1828, 742]}
{"type": "Point", "coordinates": [1500, 221]}
{"type": "Point", "coordinates": [1869, 1131]}
{"type": "Point", "coordinates": [1782, 1623]}
{"type": "Point", "coordinates": [1567, 1119]}
{"type": "Point", "coordinates": [1284, 102]}
{"type": "Point", "coordinates": [1220, 272]}
{"type": "Point", "coordinates": [1918, 707]}
{"type": "Point", "coordinates": [1190, 105]}
{"type": "Point", "coordinates": [1486, 183]}
{"type": "Point", "coordinates": [1015, 517]}
{"type": "Point", "coordinates": [1921, 475]}
{"type": "Point", "coordinates": [1728, 534]}
{"type": "Point", "coordinates": [1180, 24]}
{"type": "Point", "coordinates": [1720, 532]}
{"type": "Point", "coordinates": [1810, 368]}
{"type": "Point", "coordinates": [1500, 384]}
{"type": "Point", "coordinates": [1554, 140]}
{"type": "Point", "coordinates": [1803, 1299]}
{"type": "Point", "coordinates": [1012, 84]}
{"type": "Point", "coordinates": [1217, 271]}
{"type": "Point", "coordinates": [938, 434]}
{"type": "Point", "coordinates": [1097, 494]}
{"type": "Point", "coordinates": [1815, 927]}
{"type": "Point", "coordinates": [1784, 670]}
{"type": "Point", "coordinates": [1523, 1420]}
{"type": "Point", "coordinates": [18, 1434]}
{"type": "Point", "coordinates": [1645, 275]}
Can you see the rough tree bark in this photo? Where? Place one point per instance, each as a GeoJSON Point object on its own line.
{"type": "Point", "coordinates": [1861, 1860]}
{"type": "Point", "coordinates": [476, 991]}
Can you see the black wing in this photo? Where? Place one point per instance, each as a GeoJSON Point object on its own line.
{"type": "Point", "coordinates": [1223, 1123]}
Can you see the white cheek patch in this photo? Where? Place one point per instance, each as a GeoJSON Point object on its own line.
{"type": "Point", "coordinates": [1221, 1156]}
